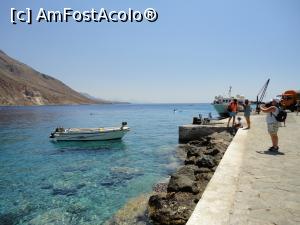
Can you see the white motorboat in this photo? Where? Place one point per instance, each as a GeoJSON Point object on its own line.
{"type": "Point", "coordinates": [221, 103]}
{"type": "Point", "coordinates": [89, 134]}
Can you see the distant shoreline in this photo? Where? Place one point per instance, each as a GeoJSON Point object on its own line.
{"type": "Point", "coordinates": [108, 103]}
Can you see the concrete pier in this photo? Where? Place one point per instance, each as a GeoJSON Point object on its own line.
{"type": "Point", "coordinates": [252, 185]}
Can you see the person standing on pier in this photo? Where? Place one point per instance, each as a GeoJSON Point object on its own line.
{"type": "Point", "coordinates": [232, 110]}
{"type": "Point", "coordinates": [247, 112]}
{"type": "Point", "coordinates": [272, 123]}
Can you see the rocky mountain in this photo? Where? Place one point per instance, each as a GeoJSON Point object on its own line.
{"type": "Point", "coordinates": [22, 85]}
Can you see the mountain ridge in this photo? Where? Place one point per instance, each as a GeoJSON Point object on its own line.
{"type": "Point", "coordinates": [22, 85]}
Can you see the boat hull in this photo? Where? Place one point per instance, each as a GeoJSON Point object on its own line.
{"type": "Point", "coordinates": [90, 136]}
{"type": "Point", "coordinates": [221, 109]}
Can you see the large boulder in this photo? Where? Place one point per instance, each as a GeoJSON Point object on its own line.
{"type": "Point", "coordinates": [171, 209]}
{"type": "Point", "coordinates": [183, 180]}
{"type": "Point", "coordinates": [206, 161]}
{"type": "Point", "coordinates": [194, 150]}
{"type": "Point", "coordinates": [134, 212]}
{"type": "Point", "coordinates": [203, 141]}
{"type": "Point", "coordinates": [190, 160]}
{"type": "Point", "coordinates": [212, 151]}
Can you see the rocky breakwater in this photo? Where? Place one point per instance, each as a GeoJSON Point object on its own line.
{"type": "Point", "coordinates": [185, 188]}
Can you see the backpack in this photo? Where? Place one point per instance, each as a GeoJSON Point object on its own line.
{"type": "Point", "coordinates": [281, 116]}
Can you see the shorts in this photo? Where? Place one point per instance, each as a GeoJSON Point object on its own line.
{"type": "Point", "coordinates": [273, 128]}
{"type": "Point", "coordinates": [231, 114]}
{"type": "Point", "coordinates": [247, 114]}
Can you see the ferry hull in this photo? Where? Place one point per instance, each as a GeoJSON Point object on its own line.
{"type": "Point", "coordinates": [221, 109]}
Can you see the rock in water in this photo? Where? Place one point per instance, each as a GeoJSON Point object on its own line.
{"type": "Point", "coordinates": [9, 219]}
{"type": "Point", "coordinates": [15, 216]}
{"type": "Point", "coordinates": [134, 212]}
{"type": "Point", "coordinates": [54, 217]}
{"type": "Point", "coordinates": [160, 187]}
{"type": "Point", "coordinates": [64, 191]}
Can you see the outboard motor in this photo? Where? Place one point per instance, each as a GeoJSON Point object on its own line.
{"type": "Point", "coordinates": [58, 129]}
{"type": "Point", "coordinates": [123, 125]}
{"type": "Point", "coordinates": [52, 135]}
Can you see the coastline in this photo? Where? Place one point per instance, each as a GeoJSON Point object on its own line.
{"type": "Point", "coordinates": [173, 201]}
{"type": "Point", "coordinates": [187, 184]}
{"type": "Point", "coordinates": [75, 104]}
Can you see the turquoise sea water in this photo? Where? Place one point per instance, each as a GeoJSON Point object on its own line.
{"type": "Point", "coordinates": [84, 182]}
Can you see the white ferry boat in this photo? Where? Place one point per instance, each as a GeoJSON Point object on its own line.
{"type": "Point", "coordinates": [221, 103]}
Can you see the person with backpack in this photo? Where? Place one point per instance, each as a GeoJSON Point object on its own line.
{"type": "Point", "coordinates": [274, 116]}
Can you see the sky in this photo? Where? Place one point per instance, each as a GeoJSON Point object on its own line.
{"type": "Point", "coordinates": [194, 51]}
